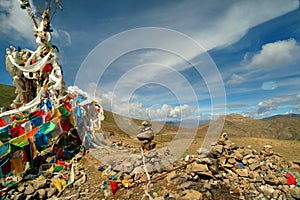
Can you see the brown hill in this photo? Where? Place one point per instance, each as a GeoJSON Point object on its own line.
{"type": "Point", "coordinates": [282, 133]}
{"type": "Point", "coordinates": [278, 128]}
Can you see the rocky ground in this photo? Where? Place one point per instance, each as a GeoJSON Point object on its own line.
{"type": "Point", "coordinates": [226, 172]}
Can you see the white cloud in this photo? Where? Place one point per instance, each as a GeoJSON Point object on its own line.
{"type": "Point", "coordinates": [110, 101]}
{"type": "Point", "coordinates": [274, 103]}
{"type": "Point", "coordinates": [228, 24]}
{"type": "Point", "coordinates": [163, 113]}
{"type": "Point", "coordinates": [235, 21]}
{"type": "Point", "coordinates": [62, 36]}
{"type": "Point", "coordinates": [15, 21]}
{"type": "Point", "coordinates": [216, 23]}
{"type": "Point", "coordinates": [235, 79]}
{"type": "Point", "coordinates": [276, 54]}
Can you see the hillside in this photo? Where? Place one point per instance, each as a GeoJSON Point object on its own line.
{"type": "Point", "coordinates": [278, 128]}
{"type": "Point", "coordinates": [7, 95]}
{"type": "Point", "coordinates": [291, 115]}
{"type": "Point", "coordinates": [242, 130]}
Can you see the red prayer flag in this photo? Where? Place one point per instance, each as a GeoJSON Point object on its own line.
{"type": "Point", "coordinates": [2, 122]}
{"type": "Point", "coordinates": [291, 180]}
{"type": "Point", "coordinates": [16, 131]}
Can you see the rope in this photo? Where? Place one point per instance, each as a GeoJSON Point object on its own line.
{"type": "Point", "coordinates": [164, 174]}
{"type": "Point", "coordinates": [148, 176]}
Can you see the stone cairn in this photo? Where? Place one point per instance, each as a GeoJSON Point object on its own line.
{"type": "Point", "coordinates": [242, 171]}
{"type": "Point", "coordinates": [227, 171]}
{"type": "Point", "coordinates": [146, 136]}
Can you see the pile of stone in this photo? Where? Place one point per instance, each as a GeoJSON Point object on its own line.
{"type": "Point", "coordinates": [225, 172]}
{"type": "Point", "coordinates": [146, 135]}
{"type": "Point", "coordinates": [131, 169]}
{"type": "Point", "coordinates": [47, 185]}
{"type": "Point", "coordinates": [244, 172]}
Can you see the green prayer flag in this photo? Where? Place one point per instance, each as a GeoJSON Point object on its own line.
{"type": "Point", "coordinates": [47, 127]}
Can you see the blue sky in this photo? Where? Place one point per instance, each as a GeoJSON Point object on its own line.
{"type": "Point", "coordinates": [253, 45]}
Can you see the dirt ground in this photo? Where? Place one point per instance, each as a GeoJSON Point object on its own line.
{"type": "Point", "coordinates": [95, 182]}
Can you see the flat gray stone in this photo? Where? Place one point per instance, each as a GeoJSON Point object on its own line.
{"type": "Point", "coordinates": [29, 190]}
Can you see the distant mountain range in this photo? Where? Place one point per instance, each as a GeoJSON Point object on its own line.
{"type": "Point", "coordinates": [193, 123]}
{"type": "Point", "coordinates": [275, 127]}
{"type": "Point", "coordinates": [278, 127]}
{"type": "Point", "coordinates": [188, 123]}
{"type": "Point", "coordinates": [291, 115]}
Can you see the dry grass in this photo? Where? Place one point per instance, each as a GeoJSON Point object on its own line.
{"type": "Point", "coordinates": [289, 149]}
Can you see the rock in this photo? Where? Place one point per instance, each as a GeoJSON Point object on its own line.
{"type": "Point", "coordinates": [146, 135]}
{"type": "Point", "coordinates": [171, 196]}
{"type": "Point", "coordinates": [149, 167]}
{"type": "Point", "coordinates": [231, 161]}
{"type": "Point", "coordinates": [185, 185]}
{"type": "Point", "coordinates": [207, 186]}
{"type": "Point", "coordinates": [216, 150]}
{"type": "Point", "coordinates": [164, 163]}
{"type": "Point", "coordinates": [205, 175]}
{"type": "Point", "coordinates": [264, 168]}
{"type": "Point", "coordinates": [19, 196]}
{"type": "Point", "coordinates": [51, 192]}
{"type": "Point", "coordinates": [21, 188]}
{"type": "Point", "coordinates": [227, 166]}
{"type": "Point", "coordinates": [238, 156]}
{"type": "Point", "coordinates": [138, 170]}
{"type": "Point", "coordinates": [181, 179]}
{"type": "Point", "coordinates": [172, 175]}
{"type": "Point", "coordinates": [151, 154]}
{"type": "Point", "coordinates": [29, 190]}
{"type": "Point", "coordinates": [267, 191]}
{"type": "Point", "coordinates": [204, 161]}
{"type": "Point", "coordinates": [137, 162]}
{"type": "Point", "coordinates": [127, 177]}
{"type": "Point", "coordinates": [30, 197]}
{"type": "Point", "coordinates": [222, 160]}
{"type": "Point", "coordinates": [267, 150]}
{"type": "Point", "coordinates": [295, 192]}
{"type": "Point", "coordinates": [271, 179]}
{"type": "Point", "coordinates": [241, 197]}
{"type": "Point", "coordinates": [38, 184]}
{"type": "Point", "coordinates": [127, 167]}
{"type": "Point", "coordinates": [191, 195]}
{"type": "Point", "coordinates": [42, 193]}
{"type": "Point", "coordinates": [244, 161]}
{"type": "Point", "coordinates": [153, 160]}
{"type": "Point", "coordinates": [154, 194]}
{"type": "Point", "coordinates": [276, 194]}
{"type": "Point", "coordinates": [223, 138]}
{"type": "Point", "coordinates": [242, 172]}
{"type": "Point", "coordinates": [140, 176]}
{"type": "Point", "coordinates": [199, 167]}
{"type": "Point", "coordinates": [208, 194]}
{"type": "Point", "coordinates": [254, 166]}
{"type": "Point", "coordinates": [202, 152]}
{"type": "Point", "coordinates": [118, 168]}
{"type": "Point", "coordinates": [10, 192]}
